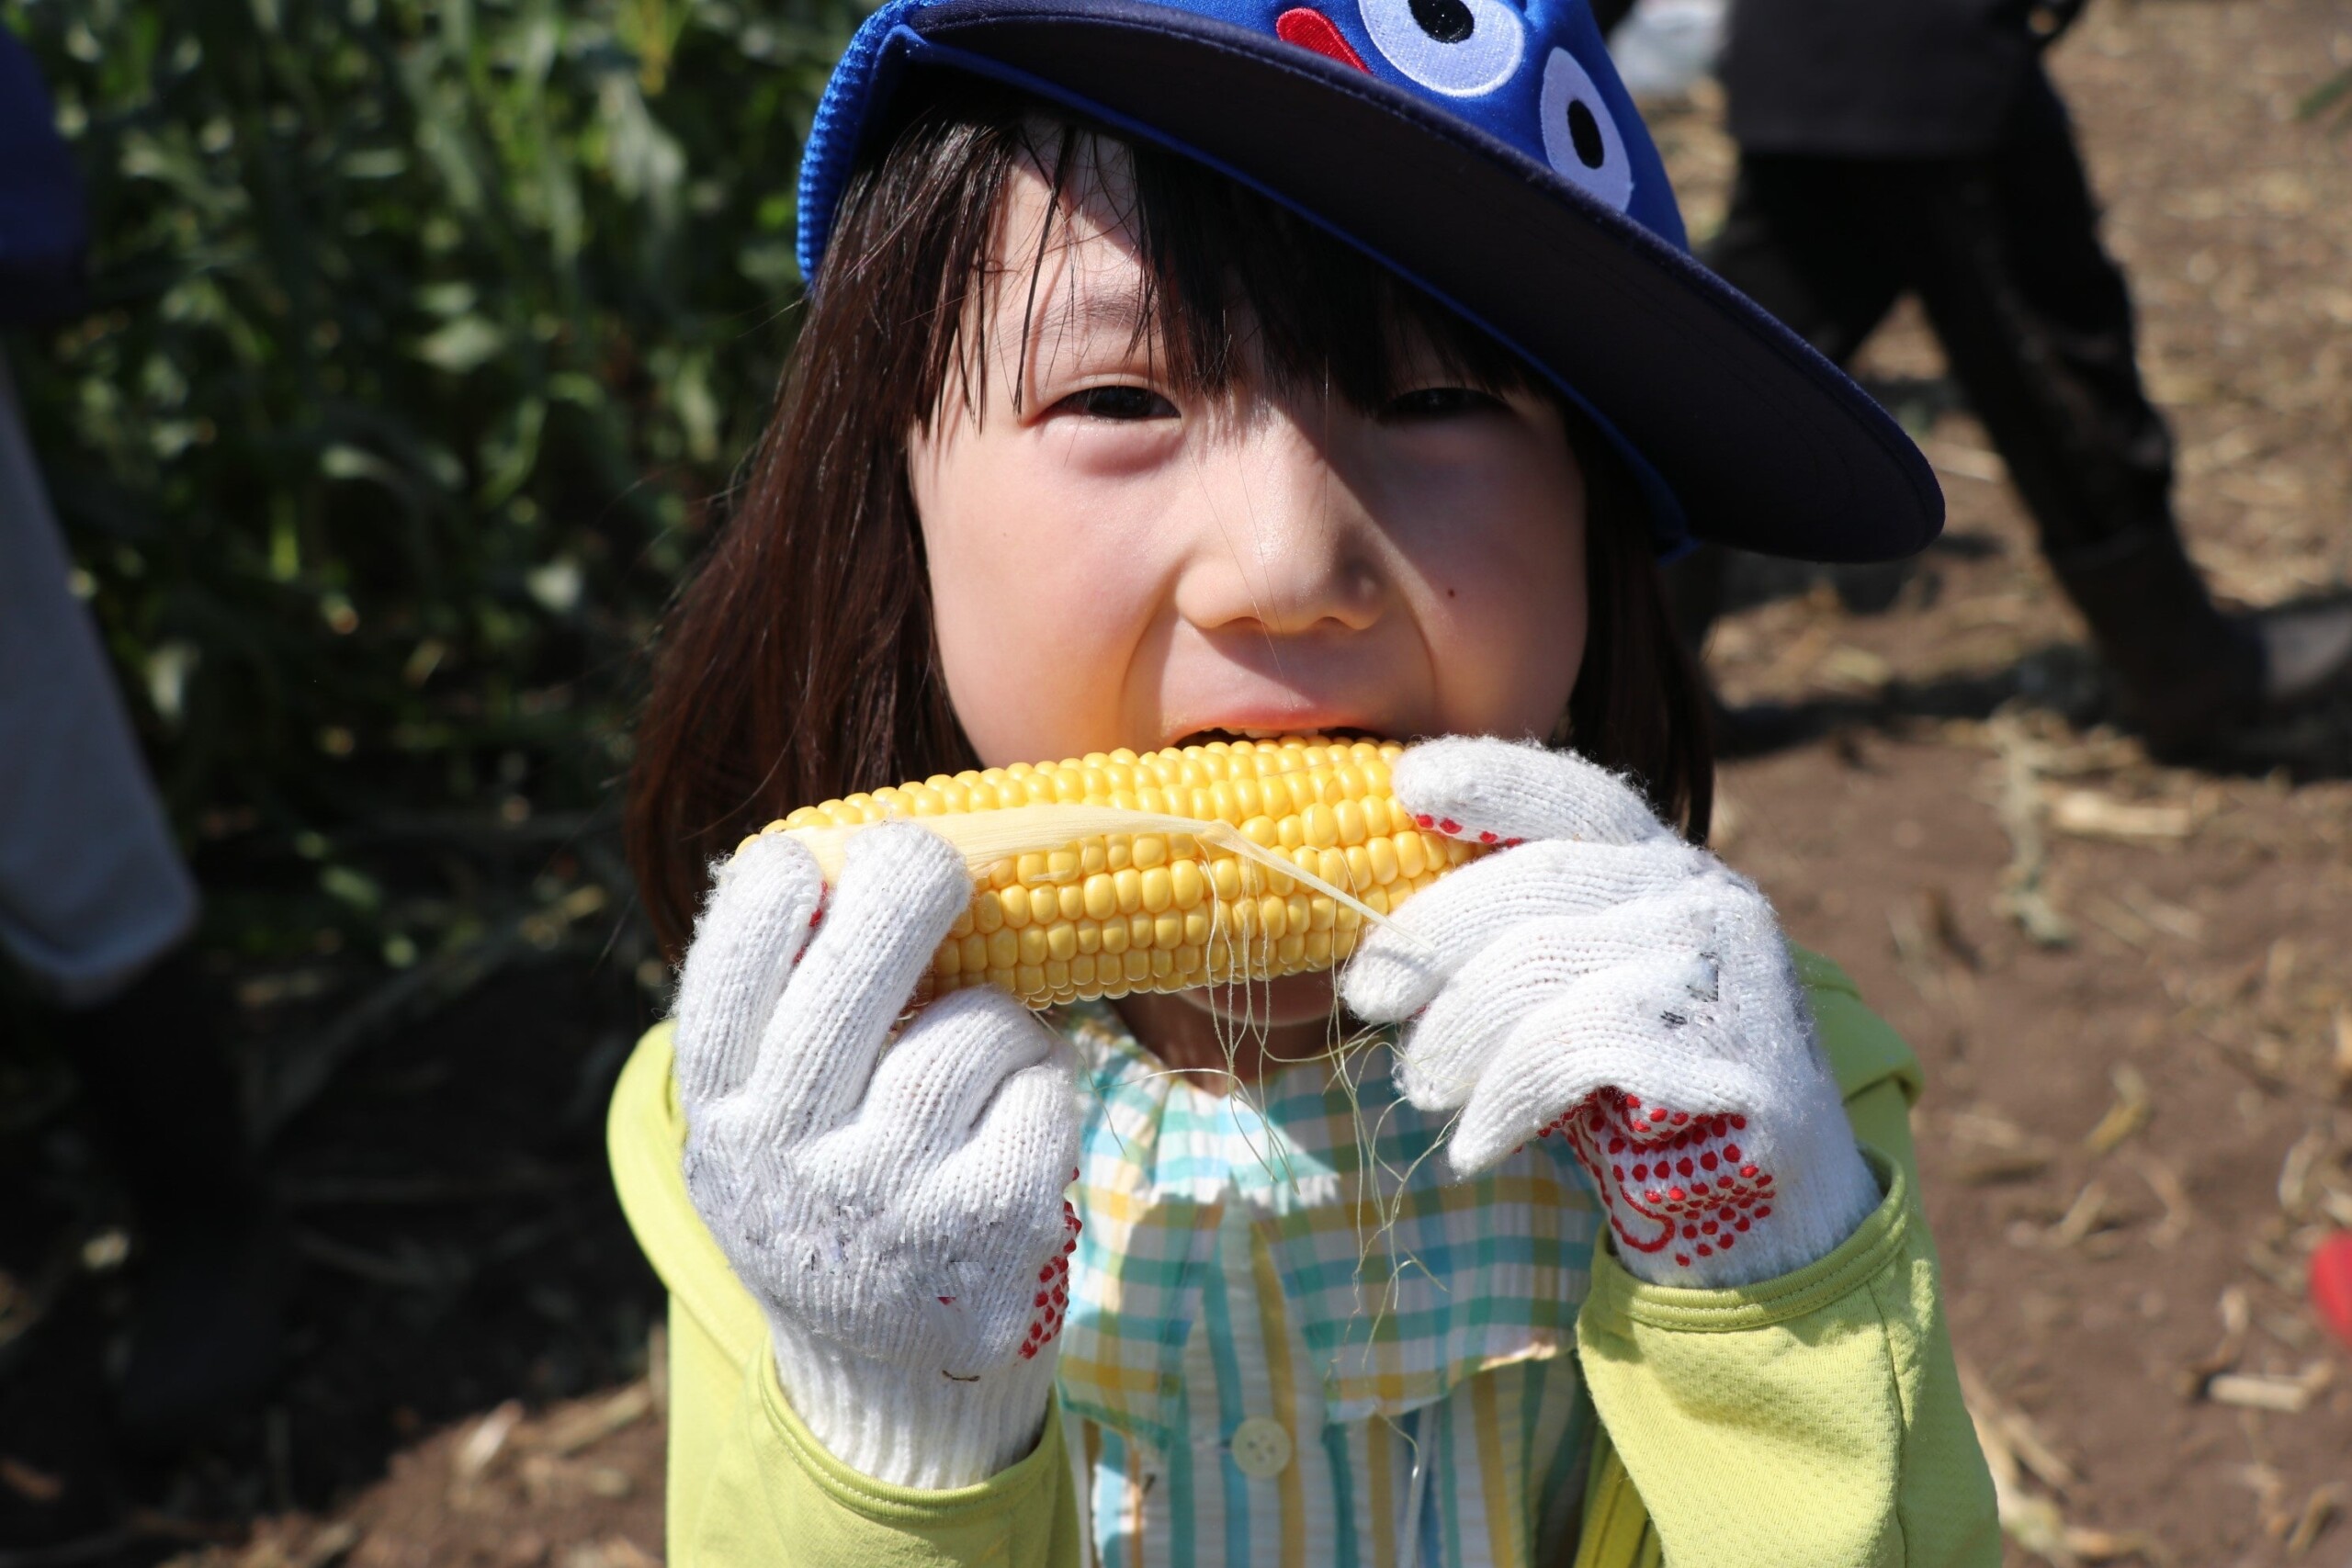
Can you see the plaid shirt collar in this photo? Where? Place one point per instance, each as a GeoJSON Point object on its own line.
{"type": "Point", "coordinates": [1400, 1282]}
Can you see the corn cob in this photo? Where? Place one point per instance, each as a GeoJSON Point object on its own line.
{"type": "Point", "coordinates": [1197, 865]}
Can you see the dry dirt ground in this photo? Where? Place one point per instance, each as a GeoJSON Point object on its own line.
{"type": "Point", "coordinates": [2130, 984]}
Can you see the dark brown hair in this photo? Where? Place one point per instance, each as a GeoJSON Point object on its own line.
{"type": "Point", "coordinates": [798, 664]}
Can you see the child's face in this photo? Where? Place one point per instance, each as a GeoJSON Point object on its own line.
{"type": "Point", "coordinates": [1116, 563]}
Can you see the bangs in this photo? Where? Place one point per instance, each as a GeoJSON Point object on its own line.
{"type": "Point", "coordinates": [1221, 264]}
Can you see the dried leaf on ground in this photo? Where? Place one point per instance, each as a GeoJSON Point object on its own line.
{"type": "Point", "coordinates": [2088, 1215]}
{"type": "Point", "coordinates": [584, 1429]}
{"type": "Point", "coordinates": [2010, 1431]}
{"type": "Point", "coordinates": [2237, 1321]}
{"type": "Point", "coordinates": [2296, 1171]}
{"type": "Point", "coordinates": [611, 1552]}
{"type": "Point", "coordinates": [2179, 1212]}
{"type": "Point", "coordinates": [2278, 1392]}
{"type": "Point", "coordinates": [2024, 897]}
{"type": "Point", "coordinates": [481, 1447]}
{"type": "Point", "coordinates": [2087, 814]}
{"type": "Point", "coordinates": [2126, 1116]}
{"type": "Point", "coordinates": [2014, 1448]}
{"type": "Point", "coordinates": [1997, 1149]}
{"type": "Point", "coordinates": [2318, 1512]}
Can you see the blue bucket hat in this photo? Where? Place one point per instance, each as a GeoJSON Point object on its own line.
{"type": "Point", "coordinates": [1486, 150]}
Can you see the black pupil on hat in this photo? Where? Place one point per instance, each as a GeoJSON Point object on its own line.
{"type": "Point", "coordinates": [1585, 131]}
{"type": "Point", "coordinates": [1448, 21]}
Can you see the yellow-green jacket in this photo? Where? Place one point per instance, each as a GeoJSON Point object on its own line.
{"type": "Point", "coordinates": [1815, 1419]}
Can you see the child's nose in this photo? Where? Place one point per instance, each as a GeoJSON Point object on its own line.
{"type": "Point", "coordinates": [1282, 541]}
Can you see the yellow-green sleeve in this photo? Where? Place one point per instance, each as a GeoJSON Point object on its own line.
{"type": "Point", "coordinates": [1814, 1419]}
{"type": "Point", "coordinates": [748, 1484]}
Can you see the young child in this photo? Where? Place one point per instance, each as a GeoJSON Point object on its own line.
{"type": "Point", "coordinates": [1185, 370]}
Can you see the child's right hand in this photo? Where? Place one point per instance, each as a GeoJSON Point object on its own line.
{"type": "Point", "coordinates": [898, 1212]}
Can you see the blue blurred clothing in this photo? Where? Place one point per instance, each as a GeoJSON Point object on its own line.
{"type": "Point", "coordinates": [44, 225]}
{"type": "Point", "coordinates": [91, 887]}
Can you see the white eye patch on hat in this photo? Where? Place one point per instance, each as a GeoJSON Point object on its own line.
{"type": "Point", "coordinates": [1580, 136]}
{"type": "Point", "coordinates": [1467, 49]}
{"type": "Point", "coordinates": [1459, 48]}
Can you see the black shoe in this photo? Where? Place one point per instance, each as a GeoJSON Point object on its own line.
{"type": "Point", "coordinates": [213, 1264]}
{"type": "Point", "coordinates": [2306, 654]}
{"type": "Point", "coordinates": [207, 1329]}
{"type": "Point", "coordinates": [2187, 674]}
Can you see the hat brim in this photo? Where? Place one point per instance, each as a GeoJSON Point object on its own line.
{"type": "Point", "coordinates": [1755, 439]}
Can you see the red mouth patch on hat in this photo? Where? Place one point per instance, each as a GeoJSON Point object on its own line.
{"type": "Point", "coordinates": [1312, 29]}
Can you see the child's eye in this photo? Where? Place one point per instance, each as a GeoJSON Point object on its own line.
{"type": "Point", "coordinates": [1117, 402]}
{"type": "Point", "coordinates": [1440, 403]}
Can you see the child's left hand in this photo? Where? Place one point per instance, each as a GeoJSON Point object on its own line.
{"type": "Point", "coordinates": [1599, 977]}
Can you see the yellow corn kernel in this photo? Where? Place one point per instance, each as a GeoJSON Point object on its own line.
{"type": "Point", "coordinates": [1103, 914]}
{"type": "Point", "coordinates": [1410, 863]}
{"type": "Point", "coordinates": [1273, 917]}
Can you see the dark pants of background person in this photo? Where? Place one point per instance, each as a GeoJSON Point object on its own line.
{"type": "Point", "coordinates": [2002, 249]}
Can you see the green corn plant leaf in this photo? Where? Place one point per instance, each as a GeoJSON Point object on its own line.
{"type": "Point", "coordinates": [420, 335]}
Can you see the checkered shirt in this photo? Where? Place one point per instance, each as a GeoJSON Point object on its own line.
{"type": "Point", "coordinates": [1280, 1299]}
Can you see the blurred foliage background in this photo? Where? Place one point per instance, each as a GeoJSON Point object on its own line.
{"type": "Point", "coordinates": [422, 338]}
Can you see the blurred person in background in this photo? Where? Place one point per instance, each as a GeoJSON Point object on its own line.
{"type": "Point", "coordinates": [95, 903]}
{"type": "Point", "coordinates": [1921, 147]}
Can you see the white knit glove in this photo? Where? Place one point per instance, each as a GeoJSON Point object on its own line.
{"type": "Point", "coordinates": [1599, 976]}
{"type": "Point", "coordinates": [895, 1206]}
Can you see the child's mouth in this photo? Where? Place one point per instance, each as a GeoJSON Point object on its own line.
{"type": "Point", "coordinates": [1275, 732]}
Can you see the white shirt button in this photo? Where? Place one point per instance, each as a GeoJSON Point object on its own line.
{"type": "Point", "coordinates": [1260, 1447]}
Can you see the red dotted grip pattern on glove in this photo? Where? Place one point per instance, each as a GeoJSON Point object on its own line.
{"type": "Point", "coordinates": [1053, 1286]}
{"type": "Point", "coordinates": [1454, 829]}
{"type": "Point", "coordinates": [1674, 1182]}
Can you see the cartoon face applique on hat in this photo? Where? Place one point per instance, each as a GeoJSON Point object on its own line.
{"type": "Point", "coordinates": [1514, 74]}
